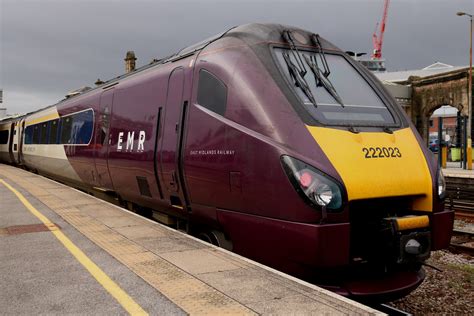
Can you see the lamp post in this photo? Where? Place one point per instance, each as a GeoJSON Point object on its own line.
{"type": "Point", "coordinates": [469, 122]}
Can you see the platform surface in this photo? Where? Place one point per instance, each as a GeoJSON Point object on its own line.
{"type": "Point", "coordinates": [454, 170]}
{"type": "Point", "coordinates": [66, 252]}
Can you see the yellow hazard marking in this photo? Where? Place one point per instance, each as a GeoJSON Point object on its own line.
{"type": "Point", "coordinates": [186, 290]}
{"type": "Point", "coordinates": [41, 119]}
{"type": "Point", "coordinates": [120, 295]}
{"type": "Point", "coordinates": [374, 165]}
{"type": "Point", "coordinates": [412, 222]}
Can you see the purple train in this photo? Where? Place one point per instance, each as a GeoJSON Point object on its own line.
{"type": "Point", "coordinates": [267, 140]}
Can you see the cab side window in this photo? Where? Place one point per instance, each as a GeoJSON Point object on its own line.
{"type": "Point", "coordinates": [212, 93]}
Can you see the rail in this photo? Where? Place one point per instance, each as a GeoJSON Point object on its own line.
{"type": "Point", "coordinates": [460, 196]}
{"type": "Point", "coordinates": [462, 242]}
{"type": "Point", "coordinates": [390, 310]}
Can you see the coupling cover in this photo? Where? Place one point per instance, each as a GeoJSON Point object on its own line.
{"type": "Point", "coordinates": [409, 222]}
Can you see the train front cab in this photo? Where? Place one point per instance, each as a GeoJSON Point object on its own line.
{"type": "Point", "coordinates": [373, 244]}
{"type": "Point", "coordinates": [393, 191]}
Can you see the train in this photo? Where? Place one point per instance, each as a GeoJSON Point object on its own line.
{"type": "Point", "coordinates": [266, 140]}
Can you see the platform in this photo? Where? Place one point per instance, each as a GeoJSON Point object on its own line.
{"type": "Point", "coordinates": [66, 252]}
{"type": "Point", "coordinates": [454, 170]}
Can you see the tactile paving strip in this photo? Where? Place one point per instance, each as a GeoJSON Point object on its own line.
{"type": "Point", "coordinates": [186, 291]}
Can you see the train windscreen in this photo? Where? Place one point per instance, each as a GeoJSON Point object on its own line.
{"type": "Point", "coordinates": [342, 97]}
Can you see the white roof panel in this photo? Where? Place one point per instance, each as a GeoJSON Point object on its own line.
{"type": "Point", "coordinates": [434, 69]}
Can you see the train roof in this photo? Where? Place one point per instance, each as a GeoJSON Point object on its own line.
{"type": "Point", "coordinates": [256, 33]}
{"type": "Point", "coordinates": [252, 34]}
{"type": "Point", "coordinates": [10, 117]}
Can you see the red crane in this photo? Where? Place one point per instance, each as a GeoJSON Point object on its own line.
{"type": "Point", "coordinates": [377, 40]}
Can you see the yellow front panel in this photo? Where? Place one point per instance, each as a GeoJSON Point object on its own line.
{"type": "Point", "coordinates": [366, 178]}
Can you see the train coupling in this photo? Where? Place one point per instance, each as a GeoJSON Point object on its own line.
{"type": "Point", "coordinates": [411, 237]}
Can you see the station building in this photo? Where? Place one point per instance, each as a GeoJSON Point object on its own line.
{"type": "Point", "coordinates": [422, 92]}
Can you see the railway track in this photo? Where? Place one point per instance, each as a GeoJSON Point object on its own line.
{"type": "Point", "coordinates": [391, 310]}
{"type": "Point", "coordinates": [460, 196]}
{"type": "Point", "coordinates": [462, 242]}
{"type": "Point", "coordinates": [465, 215]}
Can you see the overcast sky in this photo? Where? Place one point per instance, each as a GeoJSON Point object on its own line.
{"type": "Point", "coordinates": [50, 47]}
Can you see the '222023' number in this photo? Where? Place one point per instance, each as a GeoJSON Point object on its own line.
{"type": "Point", "coordinates": [382, 152]}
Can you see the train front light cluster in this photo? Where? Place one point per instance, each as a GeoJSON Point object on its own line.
{"type": "Point", "coordinates": [316, 188]}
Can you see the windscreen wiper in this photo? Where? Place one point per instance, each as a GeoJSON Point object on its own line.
{"type": "Point", "coordinates": [295, 52]}
{"type": "Point", "coordinates": [317, 43]}
{"type": "Point", "coordinates": [321, 80]}
{"type": "Point", "coordinates": [321, 76]}
{"type": "Point", "coordinates": [299, 79]}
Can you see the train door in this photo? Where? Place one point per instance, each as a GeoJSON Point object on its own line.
{"type": "Point", "coordinates": [167, 159]}
{"type": "Point", "coordinates": [16, 141]}
{"type": "Point", "coordinates": [21, 140]}
{"type": "Point", "coordinates": [102, 140]}
{"type": "Point", "coordinates": [10, 142]}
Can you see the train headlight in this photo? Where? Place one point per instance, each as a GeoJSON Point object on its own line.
{"type": "Point", "coordinates": [441, 184]}
{"type": "Point", "coordinates": [323, 195]}
{"type": "Point", "coordinates": [314, 186]}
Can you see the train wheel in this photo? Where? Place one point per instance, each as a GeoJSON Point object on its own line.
{"type": "Point", "coordinates": [217, 238]}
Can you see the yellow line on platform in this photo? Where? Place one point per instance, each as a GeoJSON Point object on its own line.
{"type": "Point", "coordinates": [120, 295]}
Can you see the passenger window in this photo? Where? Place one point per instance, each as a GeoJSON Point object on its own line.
{"type": "Point", "coordinates": [29, 135]}
{"type": "Point", "coordinates": [53, 131]}
{"type": "Point", "coordinates": [212, 93]}
{"type": "Point", "coordinates": [76, 129]}
{"type": "Point", "coordinates": [4, 137]}
{"type": "Point", "coordinates": [82, 127]}
{"type": "Point", "coordinates": [44, 133]}
{"type": "Point", "coordinates": [36, 134]}
{"type": "Point", "coordinates": [66, 127]}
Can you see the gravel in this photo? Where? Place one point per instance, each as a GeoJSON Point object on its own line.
{"type": "Point", "coordinates": [448, 292]}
